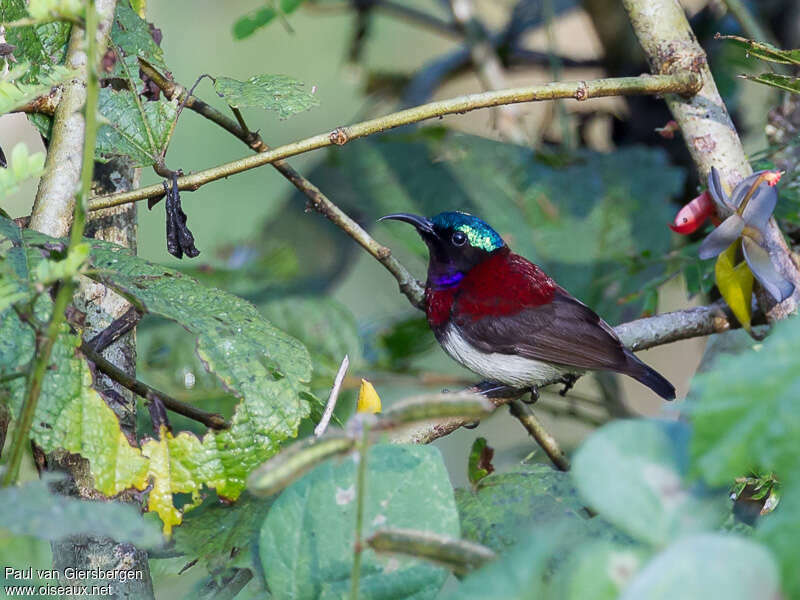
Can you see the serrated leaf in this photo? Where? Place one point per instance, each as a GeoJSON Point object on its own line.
{"type": "Point", "coordinates": [33, 510]}
{"type": "Point", "coordinates": [280, 93]}
{"type": "Point", "coordinates": [504, 506]}
{"type": "Point", "coordinates": [306, 541]}
{"type": "Point", "coordinates": [19, 88]}
{"type": "Point", "coordinates": [173, 469]}
{"type": "Point", "coordinates": [256, 362]}
{"type": "Point", "coordinates": [707, 566]}
{"type": "Point", "coordinates": [735, 283]}
{"type": "Point", "coordinates": [631, 474]}
{"type": "Point", "coordinates": [776, 80]}
{"type": "Point", "coordinates": [132, 36]}
{"type": "Point", "coordinates": [765, 51]}
{"type": "Point", "coordinates": [125, 132]}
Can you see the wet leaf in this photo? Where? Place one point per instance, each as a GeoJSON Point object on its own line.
{"type": "Point", "coordinates": [133, 37]}
{"type": "Point", "coordinates": [735, 283]}
{"type": "Point", "coordinates": [280, 93]}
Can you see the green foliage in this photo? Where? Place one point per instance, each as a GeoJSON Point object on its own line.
{"type": "Point", "coordinates": [586, 215]}
{"type": "Point", "coordinates": [22, 166]}
{"type": "Point", "coordinates": [279, 93]}
{"type": "Point", "coordinates": [139, 131]}
{"type": "Point", "coordinates": [306, 541]}
{"type": "Point", "coordinates": [33, 510]}
{"type": "Point", "coordinates": [480, 461]}
{"type": "Point", "coordinates": [18, 87]}
{"type": "Point", "coordinates": [707, 565]}
{"type": "Point", "coordinates": [253, 21]}
{"type": "Point", "coordinates": [40, 46]}
{"type": "Point", "coordinates": [646, 462]}
{"type": "Point", "coordinates": [132, 37]}
{"type": "Point", "coordinates": [765, 51]}
{"type": "Point", "coordinates": [500, 512]}
{"type": "Point", "coordinates": [46, 10]}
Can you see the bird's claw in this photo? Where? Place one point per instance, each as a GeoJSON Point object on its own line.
{"type": "Point", "coordinates": [569, 381]}
{"type": "Point", "coordinates": [533, 397]}
{"type": "Point", "coordinates": [472, 425]}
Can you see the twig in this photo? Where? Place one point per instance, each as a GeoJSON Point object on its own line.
{"type": "Point", "coordinates": [54, 207]}
{"type": "Point", "coordinates": [640, 334]}
{"type": "Point", "coordinates": [680, 83]}
{"type": "Point", "coordinates": [709, 132]}
{"type": "Point", "coordinates": [332, 398]}
{"type": "Point", "coordinates": [361, 492]}
{"type": "Point", "coordinates": [212, 420]}
{"type": "Point", "coordinates": [408, 284]}
{"type": "Point", "coordinates": [533, 426]}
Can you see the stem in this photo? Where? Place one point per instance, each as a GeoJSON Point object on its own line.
{"type": "Point", "coordinates": [65, 291]}
{"type": "Point", "coordinates": [212, 420]}
{"type": "Point", "coordinates": [321, 203]}
{"type": "Point", "coordinates": [750, 25]}
{"type": "Point", "coordinates": [543, 437]}
{"type": "Point", "coordinates": [361, 478]}
{"type": "Point", "coordinates": [680, 83]}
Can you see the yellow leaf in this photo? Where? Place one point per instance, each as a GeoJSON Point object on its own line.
{"type": "Point", "coordinates": [735, 283]}
{"type": "Point", "coordinates": [368, 399]}
{"type": "Point", "coordinates": [173, 470]}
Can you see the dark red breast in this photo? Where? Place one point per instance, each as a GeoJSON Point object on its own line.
{"type": "Point", "coordinates": [502, 285]}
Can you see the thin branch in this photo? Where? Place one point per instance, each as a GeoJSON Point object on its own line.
{"type": "Point", "coordinates": [212, 420]}
{"type": "Point", "coordinates": [680, 83]}
{"type": "Point", "coordinates": [750, 25]}
{"type": "Point", "coordinates": [534, 426]}
{"type": "Point", "coordinates": [361, 492]}
{"type": "Point", "coordinates": [408, 284]}
{"type": "Point", "coordinates": [332, 398]}
{"type": "Point", "coordinates": [115, 330]}
{"type": "Point", "coordinates": [710, 135]}
{"type": "Point", "coordinates": [418, 17]}
{"type": "Point", "coordinates": [640, 334]}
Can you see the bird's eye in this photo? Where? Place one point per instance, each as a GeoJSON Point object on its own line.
{"type": "Point", "coordinates": [459, 238]}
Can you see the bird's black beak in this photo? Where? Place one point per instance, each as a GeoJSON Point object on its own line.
{"type": "Point", "coordinates": [422, 224]}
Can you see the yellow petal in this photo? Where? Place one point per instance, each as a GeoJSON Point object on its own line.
{"type": "Point", "coordinates": [735, 283]}
{"type": "Point", "coordinates": [368, 399]}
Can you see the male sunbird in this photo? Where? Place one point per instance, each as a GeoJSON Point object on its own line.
{"type": "Point", "coordinates": [502, 317]}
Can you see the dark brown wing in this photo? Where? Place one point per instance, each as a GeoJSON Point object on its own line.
{"type": "Point", "coordinates": [564, 331]}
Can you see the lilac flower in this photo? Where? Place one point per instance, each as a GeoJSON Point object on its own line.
{"type": "Point", "coordinates": [751, 206]}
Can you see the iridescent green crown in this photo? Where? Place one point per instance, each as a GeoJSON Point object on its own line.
{"type": "Point", "coordinates": [479, 234]}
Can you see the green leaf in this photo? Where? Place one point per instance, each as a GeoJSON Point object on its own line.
{"type": "Point", "coordinates": [707, 566]}
{"type": "Point", "coordinates": [47, 10]}
{"type": "Point", "coordinates": [131, 34]}
{"type": "Point", "coordinates": [630, 473]}
{"type": "Point", "coordinates": [782, 82]}
{"type": "Point", "coordinates": [598, 570]}
{"type": "Point", "coordinates": [50, 271]}
{"type": "Point", "coordinates": [40, 46]}
{"type": "Point", "coordinates": [263, 366]}
{"type": "Point", "coordinates": [253, 21]}
{"type": "Point", "coordinates": [779, 531]}
{"type": "Point", "coordinates": [221, 535]}
{"type": "Point", "coordinates": [306, 541]}
{"type": "Point", "coordinates": [21, 167]}
{"type": "Point", "coordinates": [18, 89]}
{"type": "Point", "coordinates": [504, 505]}
{"type": "Point", "coordinates": [765, 51]}
{"type": "Point", "coordinates": [126, 132]}
{"type": "Point", "coordinates": [746, 417]}
{"type": "Point", "coordinates": [32, 510]}
{"type": "Point", "coordinates": [480, 461]}
{"type": "Point", "coordinates": [326, 327]}
{"type": "Point", "coordinates": [280, 93]}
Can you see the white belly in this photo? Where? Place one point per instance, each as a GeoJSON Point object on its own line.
{"type": "Point", "coordinates": [515, 371]}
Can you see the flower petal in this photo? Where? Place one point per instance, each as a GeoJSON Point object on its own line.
{"type": "Point", "coordinates": [760, 263]}
{"type": "Point", "coordinates": [717, 191]}
{"type": "Point", "coordinates": [761, 204]}
{"type": "Point", "coordinates": [722, 237]}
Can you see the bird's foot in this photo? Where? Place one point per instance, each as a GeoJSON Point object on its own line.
{"type": "Point", "coordinates": [533, 397]}
{"type": "Point", "coordinates": [471, 425]}
{"type": "Point", "coordinates": [569, 381]}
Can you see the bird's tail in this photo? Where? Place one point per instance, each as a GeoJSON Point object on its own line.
{"type": "Point", "coordinates": [649, 377]}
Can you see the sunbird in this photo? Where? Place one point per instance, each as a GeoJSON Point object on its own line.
{"type": "Point", "coordinates": [502, 317]}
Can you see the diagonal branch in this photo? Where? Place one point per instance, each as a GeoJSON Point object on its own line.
{"type": "Point", "coordinates": [173, 90]}
{"type": "Point", "coordinates": [679, 83]}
